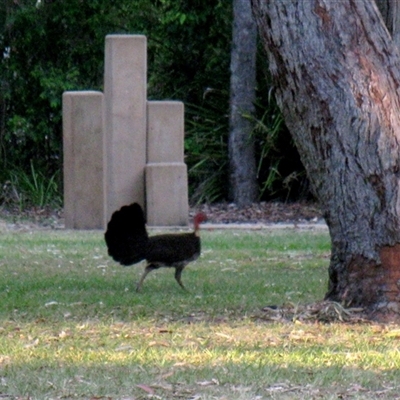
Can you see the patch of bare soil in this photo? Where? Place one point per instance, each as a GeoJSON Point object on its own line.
{"type": "Point", "coordinates": [218, 213]}
{"type": "Point", "coordinates": [264, 212]}
{"type": "Point", "coordinates": [32, 219]}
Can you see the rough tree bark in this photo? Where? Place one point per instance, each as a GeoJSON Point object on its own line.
{"type": "Point", "coordinates": [337, 76]}
{"type": "Point", "coordinates": [243, 182]}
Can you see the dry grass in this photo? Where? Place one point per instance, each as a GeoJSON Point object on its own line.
{"type": "Point", "coordinates": [320, 311]}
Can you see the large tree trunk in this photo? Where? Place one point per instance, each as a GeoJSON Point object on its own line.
{"type": "Point", "coordinates": [337, 73]}
{"type": "Point", "coordinates": [243, 182]}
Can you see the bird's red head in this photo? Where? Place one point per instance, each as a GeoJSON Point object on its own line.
{"type": "Point", "coordinates": [198, 219]}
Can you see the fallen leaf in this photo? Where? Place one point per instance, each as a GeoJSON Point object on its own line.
{"type": "Point", "coordinates": [51, 303]}
{"type": "Point", "coordinates": [32, 344]}
{"type": "Point", "coordinates": [100, 397]}
{"type": "Point", "coordinates": [208, 383]}
{"type": "Point", "coordinates": [167, 375]}
{"type": "Point", "coordinates": [223, 335]}
{"type": "Point", "coordinates": [124, 348]}
{"type": "Point", "coordinates": [158, 343]}
{"type": "Point", "coordinates": [146, 388]}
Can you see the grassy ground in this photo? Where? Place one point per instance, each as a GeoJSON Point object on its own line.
{"type": "Point", "coordinates": [72, 326]}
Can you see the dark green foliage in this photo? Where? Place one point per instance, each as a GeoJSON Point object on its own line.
{"type": "Point", "coordinates": [30, 188]}
{"type": "Point", "coordinates": [280, 171]}
{"type": "Point", "coordinates": [206, 147]}
{"type": "Point", "coordinates": [50, 46]}
{"type": "Point", "coordinates": [189, 49]}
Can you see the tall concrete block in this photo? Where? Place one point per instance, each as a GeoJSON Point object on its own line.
{"type": "Point", "coordinates": [125, 82]}
{"type": "Point", "coordinates": [83, 129]}
{"type": "Point", "coordinates": [165, 131]}
{"type": "Point", "coordinates": [167, 194]}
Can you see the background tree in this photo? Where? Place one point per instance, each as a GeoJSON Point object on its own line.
{"type": "Point", "coordinates": [243, 182]}
{"type": "Point", "coordinates": [390, 11]}
{"type": "Point", "coordinates": [337, 73]}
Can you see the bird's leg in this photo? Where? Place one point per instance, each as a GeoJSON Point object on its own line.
{"type": "Point", "coordinates": [178, 273]}
{"type": "Point", "coordinates": [147, 270]}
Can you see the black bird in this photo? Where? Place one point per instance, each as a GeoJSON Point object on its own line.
{"type": "Point", "coordinates": [129, 243]}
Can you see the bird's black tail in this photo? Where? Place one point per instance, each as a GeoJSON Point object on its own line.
{"type": "Point", "coordinates": [126, 236]}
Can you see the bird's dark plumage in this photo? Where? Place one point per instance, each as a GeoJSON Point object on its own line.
{"type": "Point", "coordinates": [128, 243]}
{"type": "Point", "coordinates": [126, 236]}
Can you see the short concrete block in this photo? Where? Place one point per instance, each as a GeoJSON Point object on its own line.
{"type": "Point", "coordinates": [167, 194]}
{"type": "Point", "coordinates": [125, 95]}
{"type": "Point", "coordinates": [165, 131]}
{"type": "Point", "coordinates": [83, 129]}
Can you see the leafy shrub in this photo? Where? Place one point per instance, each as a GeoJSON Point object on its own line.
{"type": "Point", "coordinates": [49, 47]}
{"type": "Point", "coordinates": [207, 152]}
{"type": "Point", "coordinates": [31, 189]}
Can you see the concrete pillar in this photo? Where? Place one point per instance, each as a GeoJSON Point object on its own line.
{"type": "Point", "coordinates": [83, 129]}
{"type": "Point", "coordinates": [125, 83]}
{"type": "Point", "coordinates": [167, 194]}
{"type": "Point", "coordinates": [107, 144]}
{"type": "Point", "coordinates": [165, 131]}
{"type": "Point", "coordinates": [166, 173]}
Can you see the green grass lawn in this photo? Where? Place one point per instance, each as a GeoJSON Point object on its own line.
{"type": "Point", "coordinates": [73, 327]}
